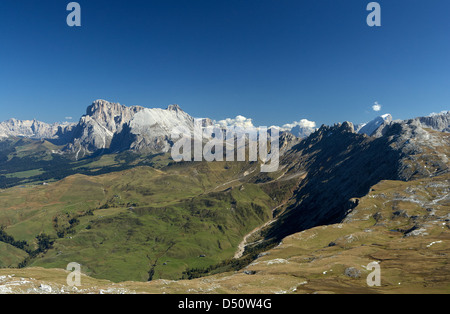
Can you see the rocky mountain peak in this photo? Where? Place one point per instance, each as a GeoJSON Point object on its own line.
{"type": "Point", "coordinates": [115, 127]}
{"type": "Point", "coordinates": [104, 109]}
{"type": "Point", "coordinates": [347, 127]}
{"type": "Point", "coordinates": [174, 107]}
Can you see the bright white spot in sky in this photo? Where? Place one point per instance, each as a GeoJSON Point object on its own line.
{"type": "Point", "coordinates": [376, 107]}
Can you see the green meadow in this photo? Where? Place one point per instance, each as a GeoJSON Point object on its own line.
{"type": "Point", "coordinates": [139, 224]}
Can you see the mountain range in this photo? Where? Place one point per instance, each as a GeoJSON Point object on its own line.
{"type": "Point", "coordinates": [113, 127]}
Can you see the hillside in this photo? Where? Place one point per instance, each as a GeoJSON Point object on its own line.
{"type": "Point", "coordinates": [404, 226]}
{"type": "Point", "coordinates": [144, 223]}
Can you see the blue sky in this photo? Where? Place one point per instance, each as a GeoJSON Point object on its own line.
{"type": "Point", "coordinates": [276, 61]}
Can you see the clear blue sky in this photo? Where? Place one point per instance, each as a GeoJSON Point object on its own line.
{"type": "Point", "coordinates": [275, 61]}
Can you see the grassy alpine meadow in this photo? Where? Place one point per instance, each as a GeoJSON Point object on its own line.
{"type": "Point", "coordinates": [10, 255]}
{"type": "Point", "coordinates": [139, 224]}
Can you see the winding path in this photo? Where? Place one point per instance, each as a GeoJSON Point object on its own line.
{"type": "Point", "coordinates": [241, 248]}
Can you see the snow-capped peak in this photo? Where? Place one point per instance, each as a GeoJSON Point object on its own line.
{"type": "Point", "coordinates": [370, 127]}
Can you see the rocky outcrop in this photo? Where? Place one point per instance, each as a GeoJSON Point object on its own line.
{"type": "Point", "coordinates": [424, 151]}
{"type": "Point", "coordinates": [436, 121]}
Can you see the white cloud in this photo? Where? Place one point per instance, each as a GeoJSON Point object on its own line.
{"type": "Point", "coordinates": [239, 121]}
{"type": "Point", "coordinates": [304, 123]}
{"type": "Point", "coordinates": [376, 107]}
{"type": "Point", "coordinates": [68, 118]}
{"type": "Point", "coordinates": [305, 126]}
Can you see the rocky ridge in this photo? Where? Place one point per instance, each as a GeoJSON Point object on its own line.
{"type": "Point", "coordinates": [346, 165]}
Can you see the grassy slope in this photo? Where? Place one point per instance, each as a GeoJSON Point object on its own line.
{"type": "Point", "coordinates": [146, 222]}
{"type": "Point", "coordinates": [10, 256]}
{"type": "Point", "coordinates": [402, 225]}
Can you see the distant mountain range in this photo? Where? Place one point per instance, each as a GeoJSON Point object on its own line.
{"type": "Point", "coordinates": [32, 129]}
{"type": "Point", "coordinates": [113, 127]}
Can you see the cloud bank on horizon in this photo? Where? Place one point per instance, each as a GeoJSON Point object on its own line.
{"type": "Point", "coordinates": [243, 122]}
{"type": "Point", "coordinates": [303, 123]}
{"type": "Point", "coordinates": [239, 121]}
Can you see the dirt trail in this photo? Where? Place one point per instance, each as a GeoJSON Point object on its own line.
{"type": "Point", "coordinates": [241, 248]}
{"type": "Point", "coordinates": [247, 173]}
